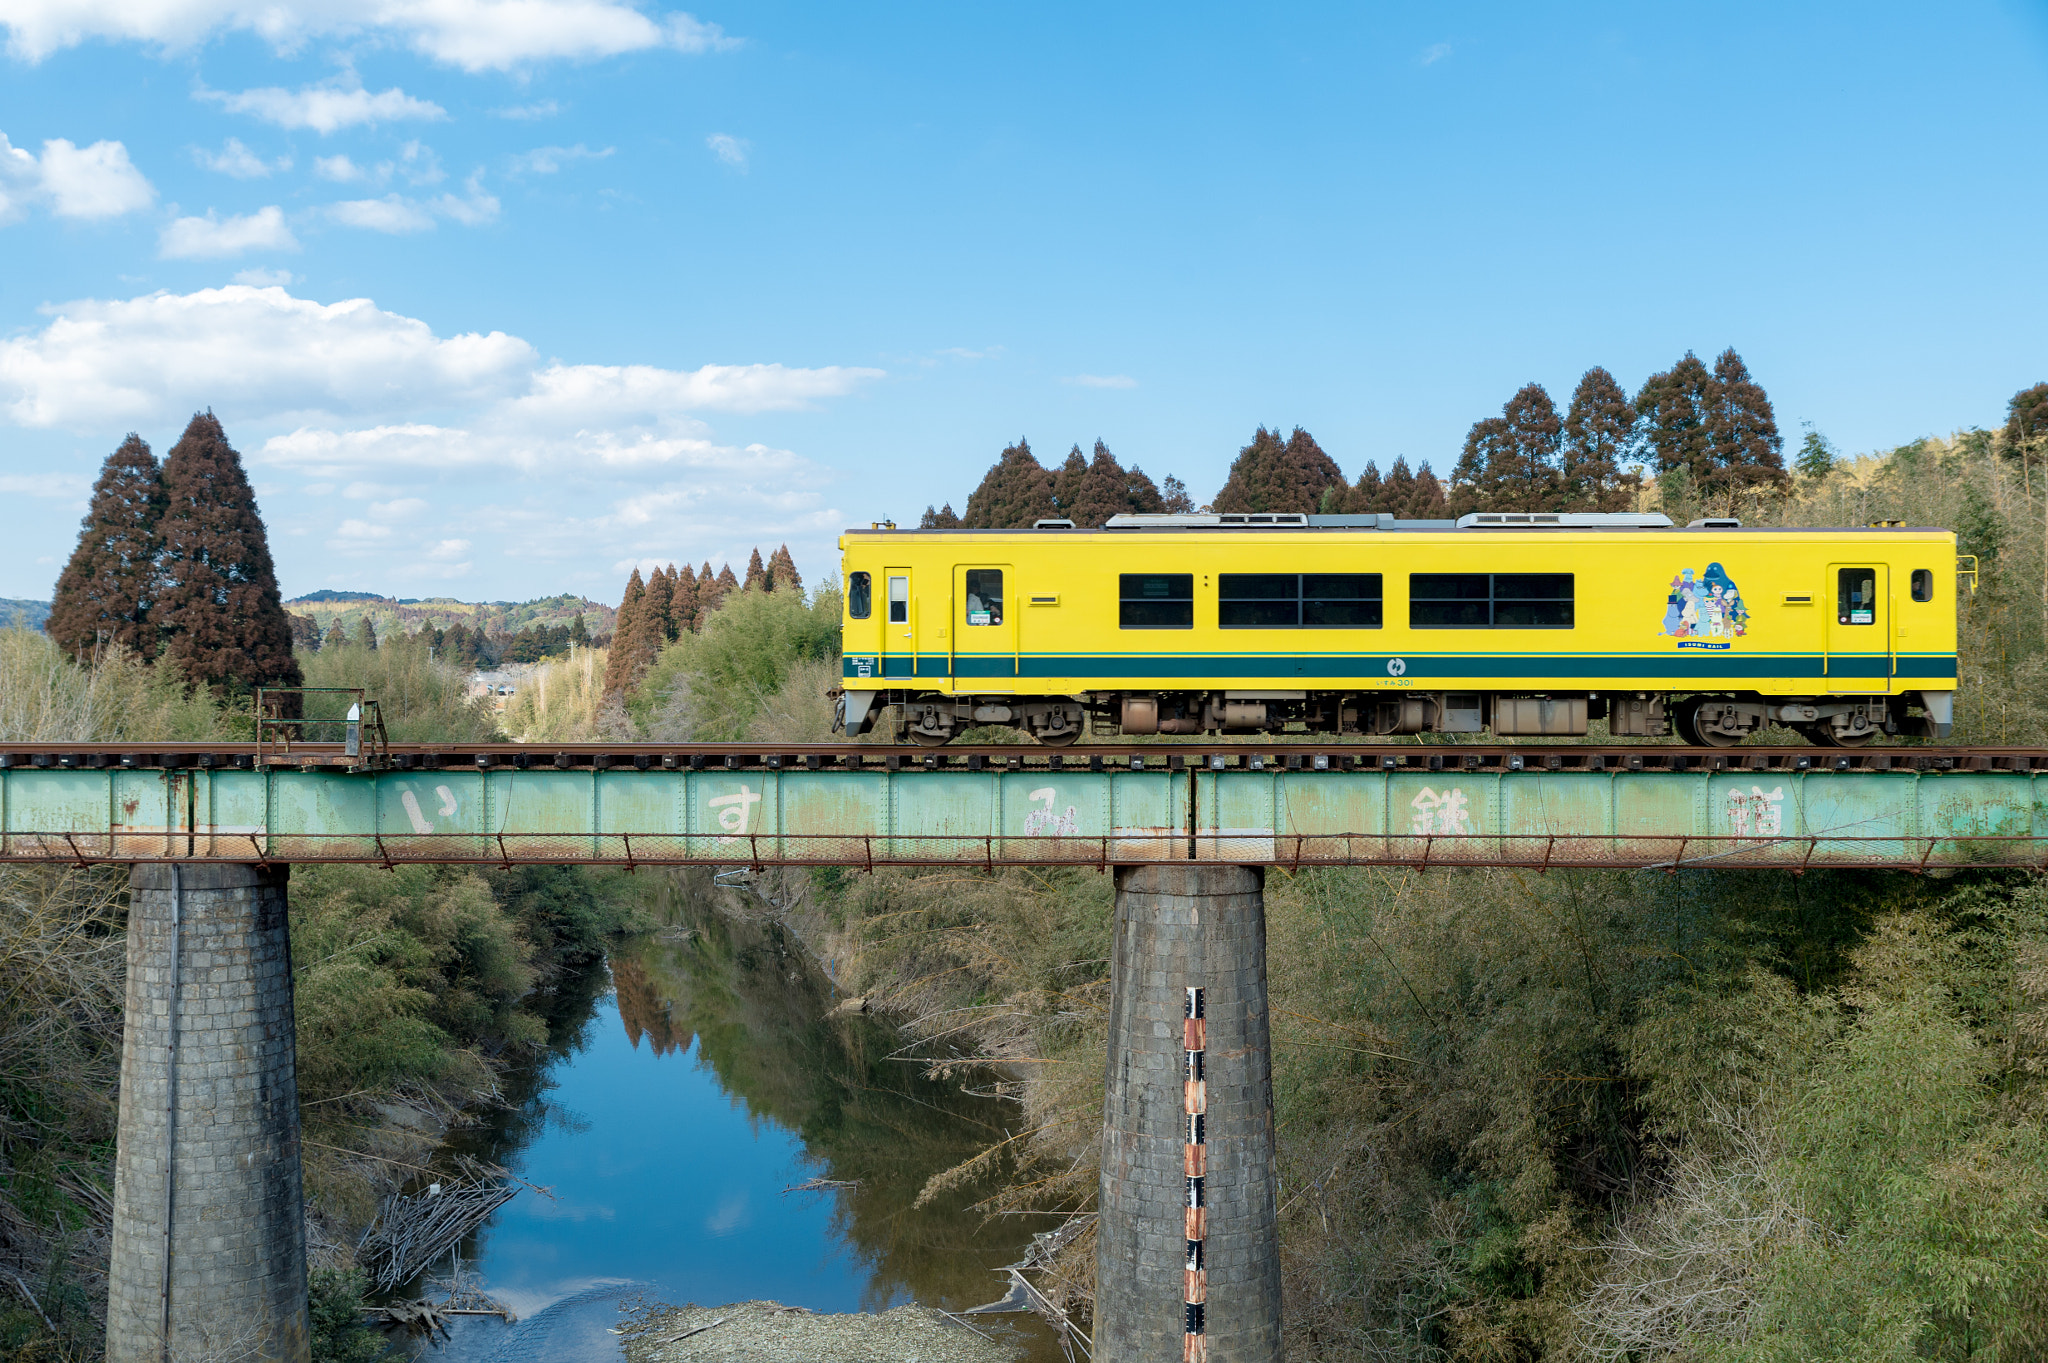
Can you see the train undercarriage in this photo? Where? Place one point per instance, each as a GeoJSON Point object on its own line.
{"type": "Point", "coordinates": [1706, 720]}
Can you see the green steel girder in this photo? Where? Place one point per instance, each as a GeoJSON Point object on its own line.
{"type": "Point", "coordinates": [868, 818]}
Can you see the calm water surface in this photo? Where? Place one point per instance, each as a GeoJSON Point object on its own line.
{"type": "Point", "coordinates": [688, 1085]}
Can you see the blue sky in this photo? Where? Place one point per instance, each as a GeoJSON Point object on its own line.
{"type": "Point", "coordinates": [498, 300]}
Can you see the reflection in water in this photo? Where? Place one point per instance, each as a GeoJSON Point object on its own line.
{"type": "Point", "coordinates": [669, 1118]}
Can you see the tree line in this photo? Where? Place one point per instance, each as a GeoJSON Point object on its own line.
{"type": "Point", "coordinates": [172, 563]}
{"type": "Point", "coordinates": [477, 648]}
{"type": "Point", "coordinates": [1708, 435]}
{"type": "Point", "coordinates": [669, 603]}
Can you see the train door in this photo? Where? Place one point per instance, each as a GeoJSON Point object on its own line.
{"type": "Point", "coordinates": [984, 645]}
{"type": "Point", "coordinates": [899, 625]}
{"type": "Point", "coordinates": [1860, 626]}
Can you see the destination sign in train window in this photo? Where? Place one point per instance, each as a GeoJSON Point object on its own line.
{"type": "Point", "coordinates": [1155, 601]}
{"type": "Point", "coordinates": [1490, 600]}
{"type": "Point", "coordinates": [1298, 600]}
{"type": "Point", "coordinates": [984, 596]}
{"type": "Point", "coordinates": [1856, 597]}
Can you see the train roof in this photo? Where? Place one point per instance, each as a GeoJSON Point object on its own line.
{"type": "Point", "coordinates": [1479, 520]}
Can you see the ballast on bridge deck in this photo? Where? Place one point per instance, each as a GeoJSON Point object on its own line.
{"type": "Point", "coordinates": [728, 806]}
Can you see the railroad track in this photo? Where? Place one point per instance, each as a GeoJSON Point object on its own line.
{"type": "Point", "coordinates": [1296, 755]}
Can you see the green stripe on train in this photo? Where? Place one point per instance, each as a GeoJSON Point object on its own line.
{"type": "Point", "coordinates": [1157, 667]}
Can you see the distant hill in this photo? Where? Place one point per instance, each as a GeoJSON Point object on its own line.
{"type": "Point", "coordinates": [23, 614]}
{"type": "Point", "coordinates": [329, 594]}
{"type": "Point", "coordinates": [444, 612]}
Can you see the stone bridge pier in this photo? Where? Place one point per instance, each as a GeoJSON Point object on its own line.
{"type": "Point", "coordinates": [1188, 1257]}
{"type": "Point", "coordinates": [209, 1254]}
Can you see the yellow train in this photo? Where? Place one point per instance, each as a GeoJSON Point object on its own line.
{"type": "Point", "coordinates": [1518, 623]}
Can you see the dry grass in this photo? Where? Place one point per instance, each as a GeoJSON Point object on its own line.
{"type": "Point", "coordinates": [46, 698]}
{"type": "Point", "coordinates": [558, 701]}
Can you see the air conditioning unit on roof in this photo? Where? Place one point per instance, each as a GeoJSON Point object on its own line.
{"type": "Point", "coordinates": [1564, 520]}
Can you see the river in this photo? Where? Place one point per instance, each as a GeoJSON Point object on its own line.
{"type": "Point", "coordinates": [690, 1082]}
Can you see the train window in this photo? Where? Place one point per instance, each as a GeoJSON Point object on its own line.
{"type": "Point", "coordinates": [1490, 601]}
{"type": "Point", "coordinates": [859, 596]}
{"type": "Point", "coordinates": [1259, 600]}
{"type": "Point", "coordinates": [899, 600]}
{"type": "Point", "coordinates": [1298, 600]}
{"type": "Point", "coordinates": [1340, 600]}
{"type": "Point", "coordinates": [1923, 584]}
{"type": "Point", "coordinates": [984, 596]}
{"type": "Point", "coordinates": [1856, 597]}
{"type": "Point", "coordinates": [1155, 601]}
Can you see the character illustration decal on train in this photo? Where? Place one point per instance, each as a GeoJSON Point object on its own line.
{"type": "Point", "coordinates": [1705, 612]}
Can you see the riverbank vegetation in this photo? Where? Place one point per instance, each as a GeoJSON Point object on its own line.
{"type": "Point", "coordinates": [414, 989]}
{"type": "Point", "coordinates": [1581, 1115]}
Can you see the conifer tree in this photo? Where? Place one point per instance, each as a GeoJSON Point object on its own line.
{"type": "Point", "coordinates": [367, 635]}
{"type": "Point", "coordinates": [1141, 495]}
{"type": "Point", "coordinates": [1510, 462]}
{"type": "Point", "coordinates": [219, 602]}
{"type": "Point", "coordinates": [305, 632]}
{"type": "Point", "coordinates": [1426, 498]}
{"type": "Point", "coordinates": [782, 573]}
{"type": "Point", "coordinates": [107, 589]}
{"type": "Point", "coordinates": [655, 605]}
{"type": "Point", "coordinates": [618, 666]}
{"type": "Point", "coordinates": [579, 632]}
{"type": "Point", "coordinates": [1275, 475]}
{"type": "Point", "coordinates": [1067, 484]}
{"type": "Point", "coordinates": [1014, 493]}
{"type": "Point", "coordinates": [727, 581]}
{"type": "Point", "coordinates": [337, 637]}
{"type": "Point", "coordinates": [934, 519]}
{"type": "Point", "coordinates": [1100, 491]}
{"type": "Point", "coordinates": [1599, 437]}
{"type": "Point", "coordinates": [711, 590]}
{"type": "Point", "coordinates": [683, 602]}
{"type": "Point", "coordinates": [757, 575]}
{"type": "Point", "coordinates": [1363, 497]}
{"type": "Point", "coordinates": [1743, 433]}
{"type": "Point", "coordinates": [1673, 407]}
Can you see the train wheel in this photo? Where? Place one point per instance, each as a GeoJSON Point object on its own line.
{"type": "Point", "coordinates": [1058, 740]}
{"type": "Point", "coordinates": [1824, 735]}
{"type": "Point", "coordinates": [925, 740]}
{"type": "Point", "coordinates": [1686, 719]}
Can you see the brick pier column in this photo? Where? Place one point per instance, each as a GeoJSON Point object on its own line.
{"type": "Point", "coordinates": [1188, 1265]}
{"type": "Point", "coordinates": [209, 1101]}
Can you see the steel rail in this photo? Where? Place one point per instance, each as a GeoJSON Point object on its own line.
{"type": "Point", "coordinates": [1306, 753]}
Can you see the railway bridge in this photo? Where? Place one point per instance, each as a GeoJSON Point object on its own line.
{"type": "Point", "coordinates": [209, 1230]}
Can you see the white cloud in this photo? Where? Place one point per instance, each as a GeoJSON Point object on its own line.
{"type": "Point", "coordinates": [45, 484]}
{"type": "Point", "coordinates": [98, 181]}
{"type": "Point", "coordinates": [475, 35]}
{"type": "Point", "coordinates": [393, 213]}
{"type": "Point", "coordinates": [729, 149]}
{"type": "Point", "coordinates": [339, 169]}
{"type": "Point", "coordinates": [526, 113]}
{"type": "Point", "coordinates": [362, 387]}
{"type": "Point", "coordinates": [1101, 380]}
{"type": "Point", "coordinates": [211, 237]}
{"type": "Point", "coordinates": [397, 214]}
{"type": "Point", "coordinates": [259, 351]}
{"type": "Point", "coordinates": [326, 108]}
{"type": "Point", "coordinates": [549, 160]}
{"type": "Point", "coordinates": [237, 160]}
{"type": "Point", "coordinates": [472, 210]}
{"type": "Point", "coordinates": [448, 549]}
{"type": "Point", "coordinates": [1434, 53]}
{"type": "Point", "coordinates": [263, 278]}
